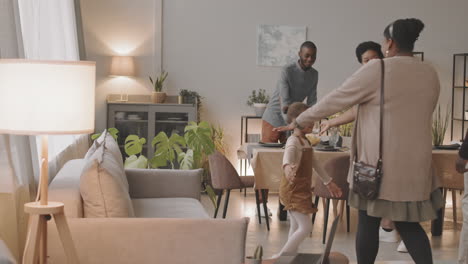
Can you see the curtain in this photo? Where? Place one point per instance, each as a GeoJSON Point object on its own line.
{"type": "Point", "coordinates": [17, 187]}
{"type": "Point", "coordinates": [49, 33]}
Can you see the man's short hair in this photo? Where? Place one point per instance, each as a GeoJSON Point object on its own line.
{"type": "Point", "coordinates": [309, 45]}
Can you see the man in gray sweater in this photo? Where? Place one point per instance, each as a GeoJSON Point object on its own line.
{"type": "Point", "coordinates": [298, 81]}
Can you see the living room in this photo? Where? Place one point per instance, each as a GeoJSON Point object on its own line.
{"type": "Point", "coordinates": [216, 52]}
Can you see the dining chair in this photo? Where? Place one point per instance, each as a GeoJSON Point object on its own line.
{"type": "Point", "coordinates": [224, 177]}
{"type": "Point", "coordinates": [337, 168]}
{"type": "Point", "coordinates": [451, 180]}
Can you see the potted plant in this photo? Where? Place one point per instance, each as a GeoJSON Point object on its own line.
{"type": "Point", "coordinates": [191, 97]}
{"type": "Point", "coordinates": [259, 101]}
{"type": "Point", "coordinates": [158, 96]}
{"type": "Point", "coordinates": [257, 257]}
{"type": "Point", "coordinates": [439, 126]}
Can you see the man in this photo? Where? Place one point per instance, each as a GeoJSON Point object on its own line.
{"type": "Point", "coordinates": [298, 81]}
{"type": "Point", "coordinates": [461, 168]}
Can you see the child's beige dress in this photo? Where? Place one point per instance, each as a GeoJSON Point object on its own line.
{"type": "Point", "coordinates": [297, 196]}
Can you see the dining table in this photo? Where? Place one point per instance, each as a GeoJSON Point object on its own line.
{"type": "Point", "coordinates": [266, 163]}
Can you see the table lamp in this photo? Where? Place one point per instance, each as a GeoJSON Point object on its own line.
{"type": "Point", "coordinates": [46, 98]}
{"type": "Point", "coordinates": [122, 66]}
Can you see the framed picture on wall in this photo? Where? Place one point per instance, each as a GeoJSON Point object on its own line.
{"type": "Point", "coordinates": [278, 45]}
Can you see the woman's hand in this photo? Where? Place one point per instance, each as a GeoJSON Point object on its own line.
{"type": "Point", "coordinates": [460, 165]}
{"type": "Point", "coordinates": [324, 126]}
{"type": "Point", "coordinates": [284, 128]}
{"type": "Point", "coordinates": [334, 190]}
{"type": "Point", "coordinates": [290, 172]}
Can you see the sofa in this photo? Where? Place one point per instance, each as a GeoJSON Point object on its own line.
{"type": "Point", "coordinates": [119, 215]}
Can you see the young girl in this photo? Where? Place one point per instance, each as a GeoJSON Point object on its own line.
{"type": "Point", "coordinates": [295, 189]}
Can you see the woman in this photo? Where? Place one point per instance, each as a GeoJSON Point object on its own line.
{"type": "Point", "coordinates": [365, 52]}
{"type": "Point", "coordinates": [409, 191]}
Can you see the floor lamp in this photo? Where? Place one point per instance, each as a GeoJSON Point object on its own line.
{"type": "Point", "coordinates": [46, 98]}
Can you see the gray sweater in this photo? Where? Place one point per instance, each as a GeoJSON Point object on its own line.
{"type": "Point", "coordinates": [294, 85]}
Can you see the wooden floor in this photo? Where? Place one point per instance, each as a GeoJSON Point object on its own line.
{"type": "Point", "coordinates": [445, 247]}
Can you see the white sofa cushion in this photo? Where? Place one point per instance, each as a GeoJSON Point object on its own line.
{"type": "Point", "coordinates": [103, 183]}
{"type": "Point", "coordinates": [168, 208]}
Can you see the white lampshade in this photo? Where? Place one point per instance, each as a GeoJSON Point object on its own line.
{"type": "Point", "coordinates": [122, 66]}
{"type": "Point", "coordinates": [46, 97]}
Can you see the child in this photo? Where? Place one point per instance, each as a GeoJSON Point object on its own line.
{"type": "Point", "coordinates": [295, 188]}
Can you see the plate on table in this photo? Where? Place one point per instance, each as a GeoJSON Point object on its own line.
{"type": "Point", "coordinates": [448, 147]}
{"type": "Point", "coordinates": [271, 144]}
{"type": "Point", "coordinates": [326, 148]}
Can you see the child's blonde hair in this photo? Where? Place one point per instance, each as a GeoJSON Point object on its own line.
{"type": "Point", "coordinates": [294, 110]}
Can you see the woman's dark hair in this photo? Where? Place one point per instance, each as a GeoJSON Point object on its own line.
{"type": "Point", "coordinates": [368, 45]}
{"type": "Point", "coordinates": [404, 32]}
{"type": "Point", "coordinates": [294, 110]}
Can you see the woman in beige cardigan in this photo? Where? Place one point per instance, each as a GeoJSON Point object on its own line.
{"type": "Point", "coordinates": [409, 191]}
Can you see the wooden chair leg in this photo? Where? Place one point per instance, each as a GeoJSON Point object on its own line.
{"type": "Point", "coordinates": [218, 203]}
{"type": "Point", "coordinates": [454, 207]}
{"type": "Point", "coordinates": [257, 201]}
{"type": "Point", "coordinates": [226, 202]}
{"type": "Point", "coordinates": [316, 204]}
{"type": "Point", "coordinates": [265, 209]}
{"type": "Point", "coordinates": [325, 224]}
{"type": "Point", "coordinates": [347, 216]}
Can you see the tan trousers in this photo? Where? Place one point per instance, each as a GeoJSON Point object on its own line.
{"type": "Point", "coordinates": [463, 247]}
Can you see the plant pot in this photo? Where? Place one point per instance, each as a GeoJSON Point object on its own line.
{"type": "Point", "coordinates": [347, 141]}
{"type": "Point", "coordinates": [189, 100]}
{"type": "Point", "coordinates": [158, 97]}
{"type": "Point", "coordinates": [259, 109]}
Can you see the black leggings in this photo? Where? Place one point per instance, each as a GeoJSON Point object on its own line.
{"type": "Point", "coordinates": [367, 240]}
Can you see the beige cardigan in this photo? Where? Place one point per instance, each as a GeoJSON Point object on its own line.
{"type": "Point", "coordinates": [411, 94]}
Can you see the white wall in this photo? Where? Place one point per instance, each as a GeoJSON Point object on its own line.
{"type": "Point", "coordinates": [210, 45]}
{"type": "Point", "coordinates": [121, 28]}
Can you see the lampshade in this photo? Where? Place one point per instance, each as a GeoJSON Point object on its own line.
{"type": "Point", "coordinates": [46, 97]}
{"type": "Point", "coordinates": [122, 66]}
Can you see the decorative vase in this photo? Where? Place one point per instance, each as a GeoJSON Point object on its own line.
{"type": "Point", "coordinates": [180, 99]}
{"type": "Point", "coordinates": [259, 109]}
{"type": "Point", "coordinates": [158, 97]}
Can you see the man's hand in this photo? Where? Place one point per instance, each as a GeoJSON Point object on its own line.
{"type": "Point", "coordinates": [324, 126]}
{"type": "Point", "coordinates": [290, 172]}
{"type": "Point", "coordinates": [285, 109]}
{"type": "Point", "coordinates": [460, 165]}
{"type": "Point", "coordinates": [284, 128]}
{"type": "Point", "coordinates": [334, 190]}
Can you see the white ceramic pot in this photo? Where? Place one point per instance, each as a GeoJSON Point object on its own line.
{"type": "Point", "coordinates": [158, 97]}
{"type": "Point", "coordinates": [259, 109]}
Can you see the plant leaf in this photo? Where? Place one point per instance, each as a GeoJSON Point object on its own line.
{"type": "Point", "coordinates": [114, 132]}
{"type": "Point", "coordinates": [134, 145]}
{"type": "Point", "coordinates": [94, 136]}
{"type": "Point", "coordinates": [211, 193]}
{"type": "Point", "coordinates": [134, 162]}
{"type": "Point", "coordinates": [158, 161]}
{"type": "Point", "coordinates": [186, 160]}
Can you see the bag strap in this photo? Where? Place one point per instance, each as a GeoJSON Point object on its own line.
{"type": "Point", "coordinates": [382, 83]}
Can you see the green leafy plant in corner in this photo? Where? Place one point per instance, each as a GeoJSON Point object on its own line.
{"type": "Point", "coordinates": [258, 98]}
{"type": "Point", "coordinates": [158, 83]}
{"type": "Point", "coordinates": [439, 126]}
{"type": "Point", "coordinates": [167, 148]}
{"type": "Point", "coordinates": [199, 138]}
